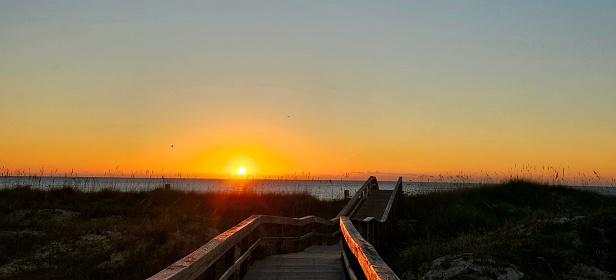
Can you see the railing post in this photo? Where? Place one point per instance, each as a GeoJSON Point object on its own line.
{"type": "Point", "coordinates": [372, 232]}
{"type": "Point", "coordinates": [313, 230]}
{"type": "Point", "coordinates": [297, 230]}
{"type": "Point", "coordinates": [385, 231]}
{"type": "Point", "coordinates": [367, 234]}
{"type": "Point", "coordinates": [230, 256]}
{"type": "Point", "coordinates": [218, 268]}
{"type": "Point", "coordinates": [376, 234]}
{"type": "Point", "coordinates": [318, 240]}
{"type": "Point", "coordinates": [279, 233]}
{"type": "Point", "coordinates": [210, 273]}
{"type": "Point", "coordinates": [245, 244]}
{"type": "Point", "coordinates": [367, 228]}
{"type": "Point", "coordinates": [307, 229]}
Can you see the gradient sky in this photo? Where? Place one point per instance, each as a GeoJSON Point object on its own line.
{"type": "Point", "coordinates": [326, 87]}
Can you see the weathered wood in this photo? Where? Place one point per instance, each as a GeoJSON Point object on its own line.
{"type": "Point", "coordinates": [371, 263]}
{"type": "Point", "coordinates": [397, 195]}
{"type": "Point", "coordinates": [227, 255]}
{"type": "Point", "coordinates": [373, 220]}
{"type": "Point", "coordinates": [195, 263]}
{"type": "Point", "coordinates": [224, 246]}
{"type": "Point", "coordinates": [375, 205]}
{"type": "Point", "coordinates": [316, 262]}
{"type": "Point", "coordinates": [357, 198]}
{"type": "Point", "coordinates": [239, 261]}
{"type": "Point", "coordinates": [248, 245]}
{"type": "Point", "coordinates": [367, 228]}
{"type": "Point", "coordinates": [347, 264]}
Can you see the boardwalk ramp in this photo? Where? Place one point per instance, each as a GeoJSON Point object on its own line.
{"type": "Point", "coordinates": [306, 248]}
{"type": "Point", "coordinates": [374, 205]}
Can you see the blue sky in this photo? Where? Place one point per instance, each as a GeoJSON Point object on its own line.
{"type": "Point", "coordinates": [437, 85]}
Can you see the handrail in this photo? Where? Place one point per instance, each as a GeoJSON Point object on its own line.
{"type": "Point", "coordinates": [395, 195]}
{"type": "Point", "coordinates": [376, 229]}
{"type": "Point", "coordinates": [365, 255]}
{"type": "Point", "coordinates": [357, 199]}
{"type": "Point", "coordinates": [361, 239]}
{"type": "Point", "coordinates": [232, 248]}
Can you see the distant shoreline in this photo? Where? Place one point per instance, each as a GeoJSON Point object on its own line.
{"type": "Point", "coordinates": [323, 189]}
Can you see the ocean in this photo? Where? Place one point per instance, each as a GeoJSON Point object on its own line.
{"type": "Point", "coordinates": [323, 189]}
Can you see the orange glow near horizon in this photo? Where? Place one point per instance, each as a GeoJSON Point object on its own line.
{"type": "Point", "coordinates": [258, 165]}
{"type": "Point", "coordinates": [493, 91]}
{"type": "Point", "coordinates": [278, 150]}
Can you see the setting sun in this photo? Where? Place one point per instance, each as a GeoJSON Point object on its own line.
{"type": "Point", "coordinates": [281, 105]}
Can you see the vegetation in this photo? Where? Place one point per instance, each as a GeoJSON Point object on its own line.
{"type": "Point", "coordinates": [543, 230]}
{"type": "Point", "coordinates": [65, 233]}
{"type": "Point", "coordinates": [68, 234]}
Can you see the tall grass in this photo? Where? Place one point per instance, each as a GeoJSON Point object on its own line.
{"type": "Point", "coordinates": [140, 232]}
{"type": "Point", "coordinates": [545, 174]}
{"type": "Point", "coordinates": [525, 223]}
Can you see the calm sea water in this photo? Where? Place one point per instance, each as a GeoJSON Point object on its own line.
{"type": "Point", "coordinates": [324, 189]}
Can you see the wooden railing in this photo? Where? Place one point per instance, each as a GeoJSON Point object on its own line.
{"type": "Point", "coordinates": [229, 255]}
{"type": "Point", "coordinates": [359, 257]}
{"type": "Point", "coordinates": [376, 229]}
{"type": "Point", "coordinates": [361, 238]}
{"type": "Point", "coordinates": [358, 198]}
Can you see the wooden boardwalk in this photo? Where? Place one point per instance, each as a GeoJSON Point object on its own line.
{"type": "Point", "coordinates": [316, 262]}
{"type": "Point", "coordinates": [361, 228]}
{"type": "Point", "coordinates": [374, 206]}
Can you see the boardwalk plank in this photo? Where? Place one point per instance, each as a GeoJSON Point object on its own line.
{"type": "Point", "coordinates": [316, 262]}
{"type": "Point", "coordinates": [374, 206]}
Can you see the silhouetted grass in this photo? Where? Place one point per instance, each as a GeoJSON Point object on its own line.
{"type": "Point", "coordinates": [69, 234]}
{"type": "Point", "coordinates": [520, 222]}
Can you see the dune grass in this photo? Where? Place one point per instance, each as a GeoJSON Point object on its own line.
{"type": "Point", "coordinates": [544, 230]}
{"type": "Point", "coordinates": [68, 234]}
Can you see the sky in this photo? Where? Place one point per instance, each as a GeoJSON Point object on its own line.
{"type": "Point", "coordinates": [326, 88]}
